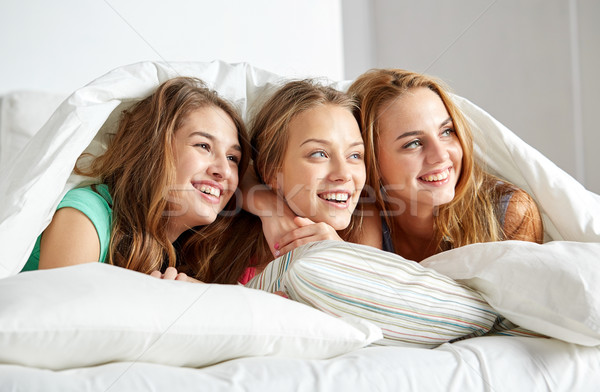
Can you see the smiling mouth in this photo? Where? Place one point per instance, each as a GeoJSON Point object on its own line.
{"type": "Point", "coordinates": [335, 197]}
{"type": "Point", "coordinates": [436, 177]}
{"type": "Point", "coordinates": [209, 190]}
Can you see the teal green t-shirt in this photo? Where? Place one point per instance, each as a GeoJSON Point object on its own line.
{"type": "Point", "coordinates": [97, 206]}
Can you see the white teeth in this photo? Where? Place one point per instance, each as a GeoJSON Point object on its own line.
{"type": "Point", "coordinates": [210, 190]}
{"type": "Point", "coordinates": [437, 177]}
{"type": "Point", "coordinates": [335, 196]}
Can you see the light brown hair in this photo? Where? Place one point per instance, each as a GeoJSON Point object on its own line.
{"type": "Point", "coordinates": [139, 168]}
{"type": "Point", "coordinates": [270, 133]}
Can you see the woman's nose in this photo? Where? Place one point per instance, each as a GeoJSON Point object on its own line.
{"type": "Point", "coordinates": [340, 171]}
{"type": "Point", "coordinates": [436, 152]}
{"type": "Point", "coordinates": [220, 167]}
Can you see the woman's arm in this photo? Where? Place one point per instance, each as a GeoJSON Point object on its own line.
{"type": "Point", "coordinates": [276, 217]}
{"type": "Point", "coordinates": [523, 221]}
{"type": "Point", "coordinates": [70, 239]}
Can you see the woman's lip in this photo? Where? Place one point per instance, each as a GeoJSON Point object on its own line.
{"type": "Point", "coordinates": [212, 199]}
{"type": "Point", "coordinates": [435, 182]}
{"type": "Point", "coordinates": [214, 184]}
{"type": "Point", "coordinates": [336, 191]}
{"type": "Point", "coordinates": [337, 204]}
{"type": "Point", "coordinates": [435, 172]}
{"type": "Point", "coordinates": [341, 204]}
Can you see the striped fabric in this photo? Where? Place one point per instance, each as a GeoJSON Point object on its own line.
{"type": "Point", "coordinates": [413, 305]}
{"type": "Point", "coordinates": [505, 327]}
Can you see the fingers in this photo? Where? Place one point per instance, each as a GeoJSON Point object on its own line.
{"type": "Point", "coordinates": [306, 234]}
{"type": "Point", "coordinates": [301, 222]}
{"type": "Point", "coordinates": [181, 276]}
{"type": "Point", "coordinates": [274, 228]}
{"type": "Point", "coordinates": [170, 273]}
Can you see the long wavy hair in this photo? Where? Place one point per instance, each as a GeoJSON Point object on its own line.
{"type": "Point", "coordinates": [139, 168]}
{"type": "Point", "coordinates": [269, 130]}
{"type": "Point", "coordinates": [472, 215]}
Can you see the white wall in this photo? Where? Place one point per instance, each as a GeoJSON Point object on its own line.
{"type": "Point", "coordinates": [64, 44]}
{"type": "Point", "coordinates": [532, 64]}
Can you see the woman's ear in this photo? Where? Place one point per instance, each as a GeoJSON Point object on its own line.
{"type": "Point", "coordinates": [276, 183]}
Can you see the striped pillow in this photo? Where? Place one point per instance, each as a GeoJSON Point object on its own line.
{"type": "Point", "coordinates": [413, 305]}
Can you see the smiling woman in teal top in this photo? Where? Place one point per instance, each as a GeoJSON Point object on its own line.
{"type": "Point", "coordinates": [170, 169]}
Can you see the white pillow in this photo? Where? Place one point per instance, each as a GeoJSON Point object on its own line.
{"type": "Point", "coordinates": [553, 289]}
{"type": "Point", "coordinates": [22, 114]}
{"type": "Point", "coordinates": [97, 313]}
{"type": "Point", "coordinates": [413, 305]}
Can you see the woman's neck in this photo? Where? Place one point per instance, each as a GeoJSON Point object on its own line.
{"type": "Point", "coordinates": [413, 234]}
{"type": "Point", "coordinates": [173, 231]}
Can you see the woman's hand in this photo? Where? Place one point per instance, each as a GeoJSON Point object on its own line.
{"type": "Point", "coordinates": [172, 274]}
{"type": "Point", "coordinates": [307, 231]}
{"type": "Point", "coordinates": [276, 226]}
{"type": "Point", "coordinates": [276, 217]}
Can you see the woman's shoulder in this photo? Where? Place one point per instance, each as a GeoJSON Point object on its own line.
{"type": "Point", "coordinates": [95, 202]}
{"type": "Point", "coordinates": [516, 211]}
{"type": "Point", "coordinates": [371, 232]}
{"type": "Point", "coordinates": [523, 220]}
{"type": "Point", "coordinates": [97, 192]}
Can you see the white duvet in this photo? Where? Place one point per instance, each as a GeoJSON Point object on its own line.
{"type": "Point", "coordinates": [553, 288]}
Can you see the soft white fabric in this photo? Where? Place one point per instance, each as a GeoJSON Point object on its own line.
{"type": "Point", "coordinates": [22, 113]}
{"type": "Point", "coordinates": [553, 289]}
{"type": "Point", "coordinates": [484, 364]}
{"type": "Point", "coordinates": [97, 313]}
{"type": "Point", "coordinates": [413, 305]}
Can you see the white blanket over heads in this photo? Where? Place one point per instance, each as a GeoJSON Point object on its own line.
{"type": "Point", "coordinates": [32, 185]}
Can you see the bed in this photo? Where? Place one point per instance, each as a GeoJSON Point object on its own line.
{"type": "Point", "coordinates": [98, 327]}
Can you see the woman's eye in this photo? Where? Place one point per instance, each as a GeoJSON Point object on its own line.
{"type": "Point", "coordinates": [204, 146]}
{"type": "Point", "coordinates": [447, 132]}
{"type": "Point", "coordinates": [318, 154]}
{"type": "Point", "coordinates": [234, 159]}
{"type": "Point", "coordinates": [413, 144]}
{"type": "Point", "coordinates": [356, 155]}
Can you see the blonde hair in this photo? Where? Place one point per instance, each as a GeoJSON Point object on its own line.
{"type": "Point", "coordinates": [139, 167]}
{"type": "Point", "coordinates": [472, 215]}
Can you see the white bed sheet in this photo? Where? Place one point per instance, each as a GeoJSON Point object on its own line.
{"type": "Point", "coordinates": [480, 364]}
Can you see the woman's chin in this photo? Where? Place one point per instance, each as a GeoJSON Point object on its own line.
{"type": "Point", "coordinates": [339, 223]}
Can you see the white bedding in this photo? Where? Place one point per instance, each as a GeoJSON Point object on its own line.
{"type": "Point", "coordinates": [494, 364]}
{"type": "Point", "coordinates": [555, 286]}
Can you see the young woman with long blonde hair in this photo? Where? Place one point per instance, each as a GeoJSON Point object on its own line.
{"type": "Point", "coordinates": [432, 194]}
